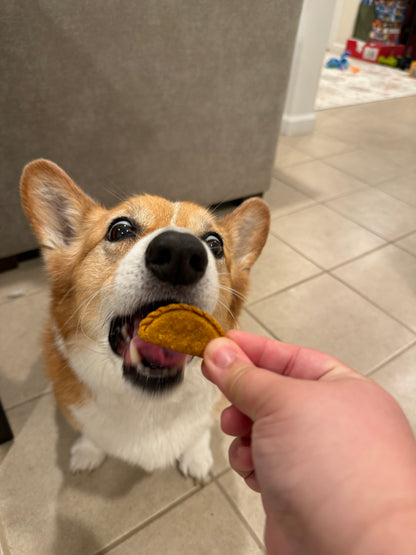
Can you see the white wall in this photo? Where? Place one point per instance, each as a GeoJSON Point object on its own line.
{"type": "Point", "coordinates": [339, 5]}
{"type": "Point", "coordinates": [343, 25]}
{"type": "Point", "coordinates": [310, 46]}
{"type": "Point", "coordinates": [324, 24]}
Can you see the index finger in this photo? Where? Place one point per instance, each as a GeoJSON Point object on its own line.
{"type": "Point", "coordinates": [286, 359]}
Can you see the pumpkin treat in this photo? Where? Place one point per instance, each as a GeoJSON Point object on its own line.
{"type": "Point", "coordinates": [180, 327]}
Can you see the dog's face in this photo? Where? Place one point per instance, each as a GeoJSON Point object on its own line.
{"type": "Point", "coordinates": [110, 268]}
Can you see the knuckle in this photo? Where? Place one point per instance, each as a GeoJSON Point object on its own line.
{"type": "Point", "coordinates": [239, 380]}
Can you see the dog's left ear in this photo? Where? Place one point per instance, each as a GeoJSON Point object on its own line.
{"type": "Point", "coordinates": [247, 228]}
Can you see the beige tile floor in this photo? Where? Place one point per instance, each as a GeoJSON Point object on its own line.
{"type": "Point", "coordinates": [338, 273]}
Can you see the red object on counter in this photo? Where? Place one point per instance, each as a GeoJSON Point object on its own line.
{"type": "Point", "coordinates": [371, 51]}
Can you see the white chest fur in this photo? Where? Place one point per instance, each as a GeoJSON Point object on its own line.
{"type": "Point", "coordinates": [151, 432]}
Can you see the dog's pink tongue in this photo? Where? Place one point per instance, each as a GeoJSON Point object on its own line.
{"type": "Point", "coordinates": [153, 354]}
{"type": "Point", "coordinates": [140, 350]}
{"type": "Point", "coordinates": [161, 356]}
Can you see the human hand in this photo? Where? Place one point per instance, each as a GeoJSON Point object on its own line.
{"type": "Point", "coordinates": [330, 451]}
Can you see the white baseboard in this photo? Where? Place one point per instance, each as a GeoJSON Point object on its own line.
{"type": "Point", "coordinates": [297, 125]}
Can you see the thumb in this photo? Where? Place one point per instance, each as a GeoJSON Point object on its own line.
{"type": "Point", "coordinates": [254, 391]}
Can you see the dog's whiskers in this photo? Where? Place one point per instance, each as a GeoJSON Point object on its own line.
{"type": "Point", "coordinates": [215, 208]}
{"type": "Point", "coordinates": [119, 195]}
{"type": "Point", "coordinates": [234, 292]}
{"type": "Point", "coordinates": [81, 311]}
{"type": "Point", "coordinates": [80, 326]}
{"type": "Point", "coordinates": [228, 309]}
{"type": "Point", "coordinates": [64, 297]}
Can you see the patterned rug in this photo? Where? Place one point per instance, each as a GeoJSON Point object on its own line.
{"type": "Point", "coordinates": [373, 82]}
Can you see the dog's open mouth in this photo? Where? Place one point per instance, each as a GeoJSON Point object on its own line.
{"type": "Point", "coordinates": [150, 367]}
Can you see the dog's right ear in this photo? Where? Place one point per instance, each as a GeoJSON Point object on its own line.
{"type": "Point", "coordinates": [54, 205]}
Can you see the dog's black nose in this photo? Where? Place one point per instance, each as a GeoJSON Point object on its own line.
{"type": "Point", "coordinates": [176, 257]}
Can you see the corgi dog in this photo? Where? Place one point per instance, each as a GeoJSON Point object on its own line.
{"type": "Point", "coordinates": [108, 269]}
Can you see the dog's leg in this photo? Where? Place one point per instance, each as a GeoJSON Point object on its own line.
{"type": "Point", "coordinates": [196, 461]}
{"type": "Point", "coordinates": [85, 455]}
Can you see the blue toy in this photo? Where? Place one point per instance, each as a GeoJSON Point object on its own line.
{"type": "Point", "coordinates": [339, 63]}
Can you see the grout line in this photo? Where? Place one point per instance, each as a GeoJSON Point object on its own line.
{"type": "Point", "coordinates": [317, 264]}
{"type": "Point", "coordinates": [349, 148]}
{"type": "Point", "coordinates": [349, 174]}
{"type": "Point", "coordinates": [221, 473]}
{"type": "Point", "coordinates": [323, 159]}
{"type": "Point", "coordinates": [249, 307]}
{"type": "Point", "coordinates": [404, 249]}
{"type": "Point", "coordinates": [322, 201]}
{"type": "Point", "coordinates": [378, 365]}
{"type": "Point", "coordinates": [374, 304]}
{"type": "Point", "coordinates": [331, 268]}
{"type": "Point", "coordinates": [391, 357]}
{"type": "Point", "coordinates": [291, 164]}
{"type": "Point", "coordinates": [242, 518]}
{"type": "Point", "coordinates": [27, 401]}
{"type": "Point", "coordinates": [378, 234]}
{"type": "Point", "coordinates": [124, 537]}
{"type": "Point", "coordinates": [293, 210]}
{"type": "Point", "coordinates": [322, 269]}
{"type": "Point", "coordinates": [354, 258]}
{"type": "Point", "coordinates": [337, 211]}
{"type": "Point", "coordinates": [311, 204]}
{"type": "Point", "coordinates": [325, 200]}
{"type": "Point", "coordinates": [408, 172]}
{"type": "Point", "coordinates": [333, 209]}
{"type": "Point", "coordinates": [262, 324]}
{"type": "Point", "coordinates": [284, 289]}
{"type": "Point", "coordinates": [287, 181]}
{"type": "Point", "coordinates": [375, 249]}
{"type": "Point", "coordinates": [358, 257]}
{"type": "Point", "coordinates": [404, 236]}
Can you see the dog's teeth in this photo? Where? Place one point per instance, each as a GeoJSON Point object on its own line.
{"type": "Point", "coordinates": [134, 354]}
{"type": "Point", "coordinates": [125, 333]}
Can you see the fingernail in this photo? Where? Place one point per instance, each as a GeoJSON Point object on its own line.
{"type": "Point", "coordinates": [224, 357]}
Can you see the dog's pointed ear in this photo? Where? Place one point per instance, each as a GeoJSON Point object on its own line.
{"type": "Point", "coordinates": [54, 205]}
{"type": "Point", "coordinates": [247, 228]}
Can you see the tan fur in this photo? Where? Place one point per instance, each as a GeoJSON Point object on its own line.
{"type": "Point", "coordinates": [68, 390]}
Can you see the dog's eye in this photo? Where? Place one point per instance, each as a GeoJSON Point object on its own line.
{"type": "Point", "coordinates": [121, 229]}
{"type": "Point", "coordinates": [214, 241]}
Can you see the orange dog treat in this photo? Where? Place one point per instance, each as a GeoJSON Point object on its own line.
{"type": "Point", "coordinates": [180, 327]}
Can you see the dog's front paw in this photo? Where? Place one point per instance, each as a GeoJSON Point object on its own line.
{"type": "Point", "coordinates": [196, 468]}
{"type": "Point", "coordinates": [197, 460]}
{"type": "Point", "coordinates": [85, 455]}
